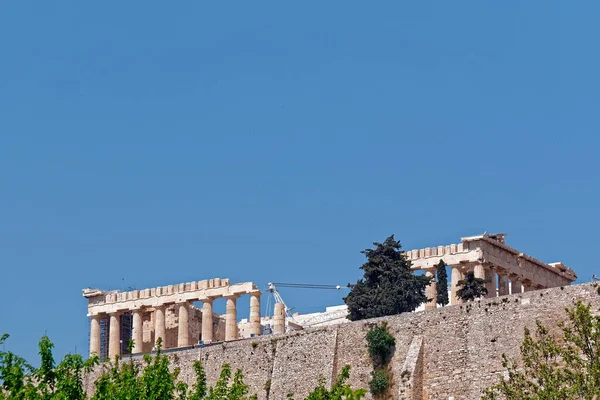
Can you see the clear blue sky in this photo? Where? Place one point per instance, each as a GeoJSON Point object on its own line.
{"type": "Point", "coordinates": [145, 143]}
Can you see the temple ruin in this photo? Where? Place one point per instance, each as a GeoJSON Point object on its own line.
{"type": "Point", "coordinates": [167, 312]}
{"type": "Point", "coordinates": [505, 269]}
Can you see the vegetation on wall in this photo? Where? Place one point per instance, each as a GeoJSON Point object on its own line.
{"type": "Point", "coordinates": [388, 287]}
{"type": "Point", "coordinates": [472, 287]}
{"type": "Point", "coordinates": [566, 367]}
{"type": "Point", "coordinates": [381, 343]}
{"type": "Point", "coordinates": [130, 380]}
{"type": "Point", "coordinates": [381, 346]}
{"type": "Point", "coordinates": [442, 284]}
{"type": "Point", "coordinates": [340, 390]}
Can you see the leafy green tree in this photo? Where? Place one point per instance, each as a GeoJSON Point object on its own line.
{"type": "Point", "coordinates": [19, 380]}
{"type": "Point", "coordinates": [199, 388]}
{"type": "Point", "coordinates": [388, 286]}
{"type": "Point", "coordinates": [551, 368]}
{"type": "Point", "coordinates": [129, 381]}
{"type": "Point", "coordinates": [472, 288]}
{"type": "Point", "coordinates": [442, 284]}
{"type": "Point", "coordinates": [15, 373]}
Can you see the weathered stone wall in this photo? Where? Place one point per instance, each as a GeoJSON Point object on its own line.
{"type": "Point", "coordinates": [461, 348]}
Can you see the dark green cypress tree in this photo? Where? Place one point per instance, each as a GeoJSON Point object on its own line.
{"type": "Point", "coordinates": [442, 284]}
{"type": "Point", "coordinates": [389, 285]}
{"type": "Point", "coordinates": [472, 287]}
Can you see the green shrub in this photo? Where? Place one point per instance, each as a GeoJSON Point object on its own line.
{"type": "Point", "coordinates": [381, 343]}
{"type": "Point", "coordinates": [379, 382]}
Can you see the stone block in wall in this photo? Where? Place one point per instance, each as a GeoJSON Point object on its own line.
{"type": "Point", "coordinates": [300, 360]}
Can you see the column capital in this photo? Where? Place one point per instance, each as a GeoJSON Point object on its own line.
{"type": "Point", "coordinates": [231, 296]}
{"type": "Point", "coordinates": [255, 292]}
{"type": "Point", "coordinates": [208, 300]}
{"type": "Point", "coordinates": [117, 313]}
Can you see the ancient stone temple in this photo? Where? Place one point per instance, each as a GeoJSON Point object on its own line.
{"type": "Point", "coordinates": [506, 270]}
{"type": "Point", "coordinates": [167, 312]}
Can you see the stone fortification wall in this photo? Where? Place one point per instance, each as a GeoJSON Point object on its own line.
{"type": "Point", "coordinates": [458, 348]}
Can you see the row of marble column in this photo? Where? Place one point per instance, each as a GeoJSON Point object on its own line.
{"type": "Point", "coordinates": [183, 338]}
{"type": "Point", "coordinates": [490, 274]}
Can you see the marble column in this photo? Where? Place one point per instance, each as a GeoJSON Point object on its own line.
{"type": "Point", "coordinates": [455, 277]}
{"type": "Point", "coordinates": [207, 320]}
{"type": "Point", "coordinates": [137, 331]}
{"type": "Point", "coordinates": [160, 327]}
{"type": "Point", "coordinates": [479, 271]}
{"type": "Point", "coordinates": [431, 290]}
{"type": "Point", "coordinates": [490, 285]}
{"type": "Point", "coordinates": [95, 335]}
{"type": "Point", "coordinates": [183, 332]}
{"type": "Point", "coordinates": [114, 335]}
{"type": "Point", "coordinates": [528, 286]}
{"type": "Point", "coordinates": [279, 319]}
{"type": "Point", "coordinates": [255, 313]}
{"type": "Point", "coordinates": [231, 328]}
{"type": "Point", "coordinates": [503, 288]}
{"type": "Point", "coordinates": [515, 285]}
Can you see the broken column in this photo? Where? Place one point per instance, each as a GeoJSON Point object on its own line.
{"type": "Point", "coordinates": [279, 319]}
{"type": "Point", "coordinates": [183, 333]}
{"type": "Point", "coordinates": [137, 331]}
{"type": "Point", "coordinates": [231, 331]}
{"type": "Point", "coordinates": [490, 284]}
{"type": "Point", "coordinates": [479, 271]}
{"type": "Point", "coordinates": [431, 290]}
{"type": "Point", "coordinates": [455, 277]}
{"type": "Point", "coordinates": [255, 313]}
{"type": "Point", "coordinates": [503, 288]}
{"type": "Point", "coordinates": [516, 285]}
{"type": "Point", "coordinates": [160, 328]}
{"type": "Point", "coordinates": [207, 320]}
{"type": "Point", "coordinates": [114, 335]}
{"type": "Point", "coordinates": [95, 335]}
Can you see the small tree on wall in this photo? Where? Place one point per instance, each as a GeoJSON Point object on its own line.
{"type": "Point", "coordinates": [442, 284]}
{"type": "Point", "coordinates": [563, 366]}
{"type": "Point", "coordinates": [389, 285]}
{"type": "Point", "coordinates": [472, 287]}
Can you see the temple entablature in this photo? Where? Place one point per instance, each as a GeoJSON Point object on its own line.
{"type": "Point", "coordinates": [491, 259]}
{"type": "Point", "coordinates": [112, 301]}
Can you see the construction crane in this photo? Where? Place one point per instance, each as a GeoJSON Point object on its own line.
{"type": "Point", "coordinates": [272, 288]}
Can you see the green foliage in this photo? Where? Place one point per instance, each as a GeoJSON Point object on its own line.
{"type": "Point", "coordinates": [117, 381]}
{"type": "Point", "coordinates": [380, 342]}
{"type": "Point", "coordinates": [472, 288]}
{"type": "Point", "coordinates": [563, 368]}
{"type": "Point", "coordinates": [442, 284]}
{"type": "Point", "coordinates": [20, 381]}
{"type": "Point", "coordinates": [129, 381]}
{"type": "Point", "coordinates": [388, 286]}
{"type": "Point", "coordinates": [339, 391]}
{"type": "Point", "coordinates": [199, 389]}
{"type": "Point", "coordinates": [379, 382]}
{"type": "Point", "coordinates": [267, 386]}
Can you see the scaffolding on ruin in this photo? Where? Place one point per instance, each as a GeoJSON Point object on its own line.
{"type": "Point", "coordinates": [104, 329]}
{"type": "Point", "coordinates": [126, 321]}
